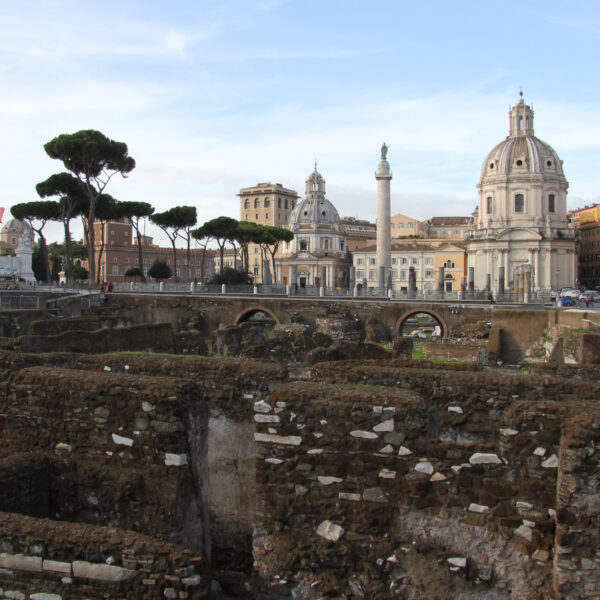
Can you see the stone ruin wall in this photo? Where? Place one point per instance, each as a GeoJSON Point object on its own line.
{"type": "Point", "coordinates": [374, 479]}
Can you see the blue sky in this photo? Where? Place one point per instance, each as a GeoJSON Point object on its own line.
{"type": "Point", "coordinates": [214, 96]}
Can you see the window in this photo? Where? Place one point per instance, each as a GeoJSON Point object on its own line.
{"type": "Point", "coordinates": [519, 203]}
{"type": "Point", "coordinates": [400, 225]}
{"type": "Point", "coordinates": [267, 203]}
{"type": "Point", "coordinates": [429, 260]}
{"type": "Point", "coordinates": [394, 261]}
{"type": "Point", "coordinates": [115, 270]}
{"type": "Point", "coordinates": [410, 225]}
{"type": "Point", "coordinates": [415, 261]}
{"type": "Point", "coordinates": [394, 274]}
{"type": "Point", "coordinates": [360, 261]}
{"type": "Point", "coordinates": [256, 202]}
{"type": "Point", "coordinates": [392, 225]}
{"type": "Point", "coordinates": [292, 204]}
{"type": "Point", "coordinates": [371, 275]}
{"type": "Point", "coordinates": [278, 202]}
{"type": "Point", "coordinates": [246, 203]}
{"type": "Point", "coordinates": [551, 203]}
{"type": "Point", "coordinates": [256, 216]}
{"type": "Point", "coordinates": [359, 274]}
{"type": "Point", "coordinates": [286, 203]}
{"type": "Point", "coordinates": [255, 249]}
{"type": "Point", "coordinates": [126, 261]}
{"type": "Point", "coordinates": [449, 264]}
{"type": "Point", "coordinates": [429, 273]}
{"type": "Point", "coordinates": [247, 217]}
{"type": "Point", "coordinates": [404, 260]}
{"type": "Point", "coordinates": [266, 215]}
{"type": "Point", "coordinates": [303, 245]}
{"type": "Point", "coordinates": [112, 232]}
{"type": "Point", "coordinates": [371, 261]}
{"type": "Point", "coordinates": [115, 259]}
{"type": "Point", "coordinates": [403, 274]}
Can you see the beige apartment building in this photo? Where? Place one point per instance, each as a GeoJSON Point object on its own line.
{"type": "Point", "coordinates": [265, 204]}
{"type": "Point", "coordinates": [403, 226]}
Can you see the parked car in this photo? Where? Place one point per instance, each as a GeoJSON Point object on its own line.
{"type": "Point", "coordinates": [566, 301]}
{"type": "Point", "coordinates": [569, 293]}
{"type": "Point", "coordinates": [591, 294]}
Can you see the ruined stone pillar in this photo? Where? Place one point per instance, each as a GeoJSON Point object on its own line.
{"type": "Point", "coordinates": [383, 176]}
{"type": "Point", "coordinates": [440, 280]}
{"type": "Point", "coordinates": [488, 282]}
{"type": "Point", "coordinates": [412, 282]}
{"type": "Point", "coordinates": [352, 281]}
{"type": "Point", "coordinates": [324, 277]}
{"type": "Point", "coordinates": [501, 282]}
{"type": "Point", "coordinates": [471, 280]}
{"type": "Point", "coordinates": [381, 280]}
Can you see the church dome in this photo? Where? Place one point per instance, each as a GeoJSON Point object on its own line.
{"type": "Point", "coordinates": [15, 226]}
{"type": "Point", "coordinates": [315, 208]}
{"type": "Point", "coordinates": [521, 154]}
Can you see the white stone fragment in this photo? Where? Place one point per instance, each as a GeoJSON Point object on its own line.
{"type": "Point", "coordinates": [456, 409]}
{"type": "Point", "coordinates": [175, 460]}
{"type": "Point", "coordinates": [300, 490]}
{"type": "Point", "coordinates": [392, 558]}
{"type": "Point", "coordinates": [13, 595]}
{"type": "Point", "coordinates": [61, 447]}
{"type": "Point", "coordinates": [404, 451]}
{"type": "Point", "coordinates": [317, 434]}
{"type": "Point", "coordinates": [121, 441]}
{"type": "Point", "coordinates": [479, 508]}
{"type": "Point", "coordinates": [378, 410]}
{"type": "Point", "coordinates": [455, 569]}
{"type": "Point", "coordinates": [100, 572]}
{"type": "Point", "coordinates": [539, 451]}
{"type": "Point", "coordinates": [55, 566]}
{"type": "Point", "coordinates": [385, 426]}
{"type": "Point", "coordinates": [20, 562]}
{"type": "Point", "coordinates": [278, 410]}
{"type": "Point", "coordinates": [389, 409]}
{"type": "Point", "coordinates": [437, 476]}
{"type": "Point", "coordinates": [551, 462]}
{"type": "Point", "coordinates": [387, 474]}
{"type": "Point", "coordinates": [191, 581]}
{"type": "Point", "coordinates": [248, 396]}
{"type": "Point", "coordinates": [541, 555]}
{"type": "Point", "coordinates": [354, 497]}
{"type": "Point", "coordinates": [424, 467]}
{"type": "Point", "coordinates": [387, 449]}
{"type": "Point", "coordinates": [274, 461]}
{"type": "Point", "coordinates": [330, 531]}
{"type": "Point", "coordinates": [328, 479]}
{"type": "Point", "coordinates": [262, 407]}
{"type": "Point", "coordinates": [272, 430]}
{"type": "Point", "coordinates": [107, 369]}
{"type": "Point", "coordinates": [524, 532]}
{"type": "Point", "coordinates": [300, 426]}
{"type": "Point", "coordinates": [481, 458]}
{"type": "Point", "coordinates": [367, 435]}
{"type": "Point", "coordinates": [44, 596]}
{"type": "Point", "coordinates": [552, 513]}
{"type": "Point", "coordinates": [508, 431]}
{"type": "Point", "coordinates": [523, 506]}
{"type": "Point", "coordinates": [528, 523]}
{"type": "Point", "coordinates": [457, 468]}
{"type": "Point", "coordinates": [92, 500]}
{"type": "Point", "coordinates": [293, 415]}
{"type": "Point", "coordinates": [126, 367]}
{"type": "Point", "coordinates": [261, 418]}
{"type": "Point", "coordinates": [323, 422]}
{"type": "Point", "coordinates": [458, 561]}
{"type": "Point", "coordinates": [146, 406]}
{"type": "Point", "coordinates": [315, 451]}
{"type": "Point", "coordinates": [280, 404]}
{"type": "Point", "coordinates": [289, 440]}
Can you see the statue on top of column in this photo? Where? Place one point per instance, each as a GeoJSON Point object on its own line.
{"type": "Point", "coordinates": [384, 151]}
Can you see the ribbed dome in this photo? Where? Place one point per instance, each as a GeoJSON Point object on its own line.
{"type": "Point", "coordinates": [521, 153]}
{"type": "Point", "coordinates": [315, 208]}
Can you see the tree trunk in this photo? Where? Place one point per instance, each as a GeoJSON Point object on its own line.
{"type": "Point", "coordinates": [100, 253]}
{"type": "Point", "coordinates": [44, 255]}
{"type": "Point", "coordinates": [91, 234]}
{"type": "Point", "coordinates": [175, 279]}
{"type": "Point", "coordinates": [68, 252]}
{"type": "Point", "coordinates": [140, 249]}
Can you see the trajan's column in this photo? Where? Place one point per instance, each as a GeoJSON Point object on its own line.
{"type": "Point", "coordinates": [384, 238]}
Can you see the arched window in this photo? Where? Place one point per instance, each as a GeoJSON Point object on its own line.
{"type": "Point", "coordinates": [488, 205]}
{"type": "Point", "coordinates": [246, 203]}
{"type": "Point", "coordinates": [519, 203]}
{"type": "Point", "coordinates": [520, 122]}
{"type": "Point", "coordinates": [551, 203]}
{"type": "Point", "coordinates": [256, 203]}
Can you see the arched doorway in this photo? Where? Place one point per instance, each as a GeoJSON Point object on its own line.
{"type": "Point", "coordinates": [422, 324]}
{"type": "Point", "coordinates": [257, 314]}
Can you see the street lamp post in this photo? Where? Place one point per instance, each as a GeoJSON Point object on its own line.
{"type": "Point", "coordinates": [557, 294]}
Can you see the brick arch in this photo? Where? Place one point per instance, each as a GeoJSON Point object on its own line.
{"type": "Point", "coordinates": [245, 314]}
{"type": "Point", "coordinates": [426, 311]}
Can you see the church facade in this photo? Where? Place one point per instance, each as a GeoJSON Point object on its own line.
{"type": "Point", "coordinates": [521, 237]}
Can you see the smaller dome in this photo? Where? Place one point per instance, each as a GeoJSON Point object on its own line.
{"type": "Point", "coordinates": [16, 226]}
